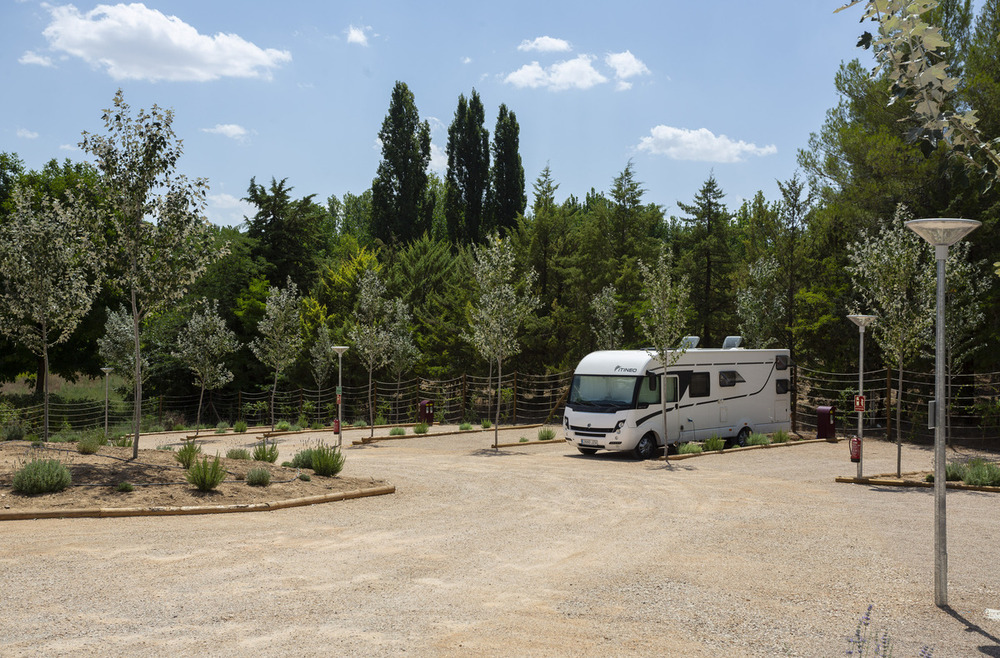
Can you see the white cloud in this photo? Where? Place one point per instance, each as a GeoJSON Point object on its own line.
{"type": "Point", "coordinates": [545, 45]}
{"type": "Point", "coordinates": [225, 209]}
{"type": "Point", "coordinates": [626, 65]}
{"type": "Point", "coordinates": [700, 145]}
{"type": "Point", "coordinates": [24, 133]}
{"type": "Point", "coordinates": [358, 35]}
{"type": "Point", "coordinates": [467, 60]}
{"type": "Point", "coordinates": [577, 73]}
{"type": "Point", "coordinates": [31, 57]}
{"type": "Point", "coordinates": [439, 160]}
{"type": "Point", "coordinates": [133, 42]}
{"type": "Point", "coordinates": [230, 130]}
{"type": "Point", "coordinates": [69, 147]}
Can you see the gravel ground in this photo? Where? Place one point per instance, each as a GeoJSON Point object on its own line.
{"type": "Point", "coordinates": [532, 550]}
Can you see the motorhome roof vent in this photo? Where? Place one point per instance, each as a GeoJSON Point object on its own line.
{"type": "Point", "coordinates": [732, 342]}
{"type": "Point", "coordinates": [690, 342]}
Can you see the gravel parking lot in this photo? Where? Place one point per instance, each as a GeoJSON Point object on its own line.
{"type": "Point", "coordinates": [531, 550]}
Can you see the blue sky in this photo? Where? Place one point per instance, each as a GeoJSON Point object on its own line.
{"type": "Point", "coordinates": [300, 89]}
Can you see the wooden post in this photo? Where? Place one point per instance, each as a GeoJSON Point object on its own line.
{"type": "Point", "coordinates": [888, 403]}
{"type": "Point", "coordinates": [795, 399]}
{"type": "Point", "coordinates": [515, 399]}
{"type": "Point", "coordinates": [464, 390]}
{"type": "Point", "coordinates": [239, 405]}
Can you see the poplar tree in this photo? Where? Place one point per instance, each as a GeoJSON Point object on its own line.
{"type": "Point", "coordinates": [468, 170]}
{"type": "Point", "coordinates": [280, 339]}
{"type": "Point", "coordinates": [49, 274]}
{"type": "Point", "coordinates": [399, 210]}
{"type": "Point", "coordinates": [501, 307]}
{"type": "Point", "coordinates": [162, 239]}
{"type": "Point", "coordinates": [506, 197]}
{"type": "Point", "coordinates": [202, 345]}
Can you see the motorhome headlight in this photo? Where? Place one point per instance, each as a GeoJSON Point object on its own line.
{"type": "Point", "coordinates": [619, 426]}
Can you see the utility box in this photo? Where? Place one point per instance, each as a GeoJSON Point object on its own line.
{"type": "Point", "coordinates": [425, 412]}
{"type": "Point", "coordinates": [826, 423]}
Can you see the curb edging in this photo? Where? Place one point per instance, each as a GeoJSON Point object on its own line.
{"type": "Point", "coordinates": [111, 512]}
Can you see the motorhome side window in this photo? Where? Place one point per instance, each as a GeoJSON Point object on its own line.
{"type": "Point", "coordinates": [781, 386]}
{"type": "Point", "coordinates": [649, 390]}
{"type": "Point", "coordinates": [701, 386]}
{"type": "Point", "coordinates": [729, 378]}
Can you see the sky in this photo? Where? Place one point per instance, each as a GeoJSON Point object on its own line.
{"type": "Point", "coordinates": [299, 90]}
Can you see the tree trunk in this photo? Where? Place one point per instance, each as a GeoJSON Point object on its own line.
{"type": "Point", "coordinates": [274, 390]}
{"type": "Point", "coordinates": [137, 373]}
{"type": "Point", "coordinates": [197, 422]}
{"type": "Point", "coordinates": [45, 381]}
{"type": "Point", "coordinates": [496, 428]}
{"type": "Point", "coordinates": [899, 406]}
{"type": "Point", "coordinates": [371, 408]}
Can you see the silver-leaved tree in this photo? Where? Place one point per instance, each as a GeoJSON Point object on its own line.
{"type": "Point", "coordinates": [370, 333]}
{"type": "Point", "coordinates": [760, 304]}
{"type": "Point", "coordinates": [202, 345]}
{"type": "Point", "coordinates": [161, 239]}
{"type": "Point", "coordinates": [49, 274]}
{"type": "Point", "coordinates": [403, 352]}
{"type": "Point", "coordinates": [280, 340]}
{"type": "Point", "coordinates": [321, 358]}
{"type": "Point", "coordinates": [501, 307]}
{"type": "Point", "coordinates": [664, 317]}
{"type": "Point", "coordinates": [892, 272]}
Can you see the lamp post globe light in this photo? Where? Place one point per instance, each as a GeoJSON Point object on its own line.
{"type": "Point", "coordinates": [107, 371]}
{"type": "Point", "coordinates": [862, 321]}
{"type": "Point", "coordinates": [340, 349]}
{"type": "Point", "coordinates": [942, 233]}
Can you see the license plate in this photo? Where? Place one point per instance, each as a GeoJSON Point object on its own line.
{"type": "Point", "coordinates": [588, 442]}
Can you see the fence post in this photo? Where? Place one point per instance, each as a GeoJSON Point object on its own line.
{"type": "Point", "coordinates": [888, 405]}
{"type": "Point", "coordinates": [464, 391]}
{"type": "Point", "coordinates": [159, 412]}
{"type": "Point", "coordinates": [239, 405]}
{"type": "Point", "coordinates": [795, 399]}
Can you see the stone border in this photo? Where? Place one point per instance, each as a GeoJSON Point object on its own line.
{"type": "Point", "coordinates": [106, 512]}
{"type": "Point", "coordinates": [400, 437]}
{"type": "Point", "coordinates": [893, 481]}
{"type": "Point", "coordinates": [744, 448]}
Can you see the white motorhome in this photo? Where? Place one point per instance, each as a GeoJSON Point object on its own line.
{"type": "Point", "coordinates": [614, 401]}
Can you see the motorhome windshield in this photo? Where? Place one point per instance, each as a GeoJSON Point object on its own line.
{"type": "Point", "coordinates": [604, 391]}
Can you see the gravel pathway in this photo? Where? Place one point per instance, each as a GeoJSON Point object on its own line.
{"type": "Point", "coordinates": [532, 550]}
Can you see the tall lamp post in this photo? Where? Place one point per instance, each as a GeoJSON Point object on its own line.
{"type": "Point", "coordinates": [107, 371]}
{"type": "Point", "coordinates": [862, 321]}
{"type": "Point", "coordinates": [340, 349]}
{"type": "Point", "coordinates": [942, 233]}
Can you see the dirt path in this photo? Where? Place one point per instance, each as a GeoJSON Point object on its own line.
{"type": "Point", "coordinates": [532, 550]}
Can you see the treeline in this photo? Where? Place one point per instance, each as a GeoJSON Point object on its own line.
{"type": "Point", "coordinates": [777, 271]}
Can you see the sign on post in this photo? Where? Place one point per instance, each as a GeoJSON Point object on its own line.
{"type": "Point", "coordinates": [859, 403]}
{"type": "Point", "coordinates": [338, 398]}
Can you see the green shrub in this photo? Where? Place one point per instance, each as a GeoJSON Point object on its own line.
{"type": "Point", "coordinates": [689, 449]}
{"type": "Point", "coordinates": [305, 477]}
{"type": "Point", "coordinates": [302, 459]}
{"type": "Point", "coordinates": [64, 436]}
{"type": "Point", "coordinates": [523, 439]}
{"type": "Point", "coordinates": [327, 460]}
{"type": "Point", "coordinates": [88, 445]}
{"type": "Point", "coordinates": [221, 427]}
{"type": "Point", "coordinates": [758, 439]}
{"type": "Point", "coordinates": [546, 434]}
{"type": "Point", "coordinates": [188, 453]}
{"type": "Point", "coordinates": [263, 452]}
{"type": "Point", "coordinates": [420, 428]}
{"type": "Point", "coordinates": [714, 443]}
{"type": "Point", "coordinates": [380, 420]}
{"type": "Point", "coordinates": [13, 430]}
{"type": "Point", "coordinates": [240, 426]}
{"type": "Point", "coordinates": [125, 487]}
{"type": "Point", "coordinates": [781, 436]}
{"type": "Point", "coordinates": [165, 447]}
{"type": "Point", "coordinates": [123, 442]}
{"type": "Point", "coordinates": [258, 477]}
{"type": "Point", "coordinates": [42, 476]}
{"type": "Point", "coordinates": [237, 453]}
{"type": "Point", "coordinates": [397, 431]}
{"type": "Point", "coordinates": [465, 426]}
{"type": "Point", "coordinates": [316, 426]}
{"type": "Point", "coordinates": [359, 423]}
{"type": "Point", "coordinates": [283, 426]}
{"type": "Point", "coordinates": [980, 473]}
{"type": "Point", "coordinates": [486, 424]}
{"type": "Point", "coordinates": [286, 465]}
{"type": "Point", "coordinates": [206, 476]}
